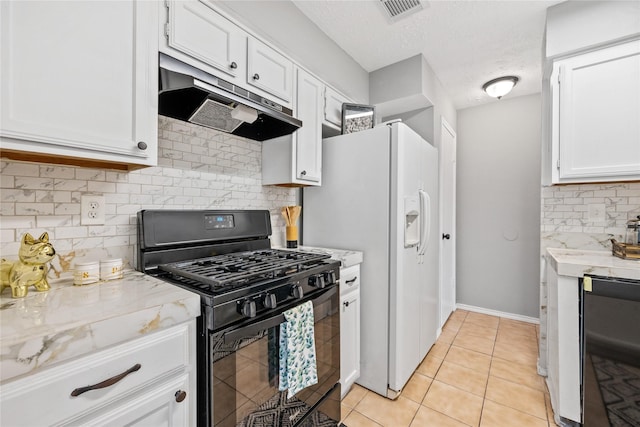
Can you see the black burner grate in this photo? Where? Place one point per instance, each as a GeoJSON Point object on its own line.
{"type": "Point", "coordinates": [241, 267]}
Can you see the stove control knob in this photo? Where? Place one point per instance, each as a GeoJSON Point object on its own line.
{"type": "Point", "coordinates": [330, 277]}
{"type": "Point", "coordinates": [269, 301]}
{"type": "Point", "coordinates": [317, 281]}
{"type": "Point", "coordinates": [248, 308]}
{"type": "Point", "coordinates": [297, 291]}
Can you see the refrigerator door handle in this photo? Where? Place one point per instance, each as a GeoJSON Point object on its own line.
{"type": "Point", "coordinates": [425, 217]}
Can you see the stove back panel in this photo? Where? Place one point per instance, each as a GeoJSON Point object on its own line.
{"type": "Point", "coordinates": [160, 229]}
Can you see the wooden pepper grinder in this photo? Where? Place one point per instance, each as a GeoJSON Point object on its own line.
{"type": "Point", "coordinates": [291, 214]}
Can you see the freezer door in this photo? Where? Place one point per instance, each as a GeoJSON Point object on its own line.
{"type": "Point", "coordinates": [413, 291]}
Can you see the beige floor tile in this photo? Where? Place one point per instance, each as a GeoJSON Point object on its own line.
{"type": "Point", "coordinates": [517, 373]}
{"type": "Point", "coordinates": [516, 352]}
{"type": "Point", "coordinates": [469, 359]}
{"type": "Point", "coordinates": [516, 396]}
{"type": "Point", "coordinates": [452, 325]}
{"type": "Point", "coordinates": [344, 411]}
{"type": "Point", "coordinates": [429, 366]}
{"type": "Point", "coordinates": [463, 378]}
{"type": "Point", "coordinates": [354, 396]}
{"type": "Point", "coordinates": [389, 413]}
{"type": "Point", "coordinates": [482, 319]}
{"type": "Point", "coordinates": [459, 314]}
{"type": "Point", "coordinates": [496, 415]}
{"type": "Point", "coordinates": [356, 419]}
{"type": "Point", "coordinates": [427, 417]}
{"type": "Point", "coordinates": [417, 387]}
{"type": "Point", "coordinates": [517, 327]}
{"type": "Point", "coordinates": [473, 342]}
{"type": "Point", "coordinates": [479, 330]}
{"type": "Point", "coordinates": [453, 402]}
{"type": "Point", "coordinates": [447, 336]}
{"type": "Point", "coordinates": [439, 350]}
{"type": "Point", "coordinates": [510, 337]}
{"type": "Point", "coordinates": [547, 402]}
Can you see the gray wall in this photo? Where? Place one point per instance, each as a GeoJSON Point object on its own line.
{"type": "Point", "coordinates": [283, 25]}
{"type": "Point", "coordinates": [498, 205]}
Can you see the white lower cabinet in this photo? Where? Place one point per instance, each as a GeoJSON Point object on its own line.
{"type": "Point", "coordinates": [563, 345]}
{"type": "Point", "coordinates": [79, 81]}
{"type": "Point", "coordinates": [349, 327]}
{"type": "Point", "coordinates": [145, 381]}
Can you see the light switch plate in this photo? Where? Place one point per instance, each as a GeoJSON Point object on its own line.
{"type": "Point", "coordinates": [597, 212]}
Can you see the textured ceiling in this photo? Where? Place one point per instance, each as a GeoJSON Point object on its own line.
{"type": "Point", "coordinates": [466, 42]}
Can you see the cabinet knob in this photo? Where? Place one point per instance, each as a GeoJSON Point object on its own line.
{"type": "Point", "coordinates": [180, 395]}
{"type": "Point", "coordinates": [446, 236]}
{"type": "Point", "coordinates": [233, 65]}
{"type": "Point", "coordinates": [346, 303]}
{"type": "Point", "coordinates": [142, 145]}
{"type": "Point", "coordinates": [303, 173]}
{"type": "Point", "coordinates": [256, 76]}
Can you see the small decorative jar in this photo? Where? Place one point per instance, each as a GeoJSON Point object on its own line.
{"type": "Point", "coordinates": [111, 269]}
{"type": "Point", "coordinates": [86, 273]}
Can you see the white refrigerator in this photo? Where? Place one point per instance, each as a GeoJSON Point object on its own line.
{"type": "Point", "coordinates": [379, 195]}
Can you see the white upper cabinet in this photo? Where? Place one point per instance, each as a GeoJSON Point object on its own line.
{"type": "Point", "coordinates": [333, 107]}
{"type": "Point", "coordinates": [596, 115]}
{"type": "Point", "coordinates": [269, 70]}
{"type": "Point", "coordinates": [309, 137]}
{"type": "Point", "coordinates": [194, 29]}
{"type": "Point", "coordinates": [79, 80]}
{"type": "Point", "coordinates": [296, 160]}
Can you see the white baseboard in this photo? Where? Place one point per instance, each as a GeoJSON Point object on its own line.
{"type": "Point", "coordinates": [490, 312]}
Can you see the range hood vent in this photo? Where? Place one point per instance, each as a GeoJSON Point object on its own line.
{"type": "Point", "coordinates": [191, 95]}
{"type": "Point", "coordinates": [398, 9]}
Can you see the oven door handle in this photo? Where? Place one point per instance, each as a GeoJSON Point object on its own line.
{"type": "Point", "coordinates": [250, 330]}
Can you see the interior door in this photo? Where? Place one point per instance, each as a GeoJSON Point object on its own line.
{"type": "Point", "coordinates": [448, 212]}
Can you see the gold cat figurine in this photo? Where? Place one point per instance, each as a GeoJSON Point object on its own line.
{"type": "Point", "coordinates": [31, 269]}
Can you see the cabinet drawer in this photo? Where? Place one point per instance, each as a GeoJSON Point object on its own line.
{"type": "Point", "coordinates": [349, 279]}
{"type": "Point", "coordinates": [47, 395]}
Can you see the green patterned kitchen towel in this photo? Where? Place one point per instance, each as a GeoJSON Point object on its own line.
{"type": "Point", "coordinates": [297, 350]}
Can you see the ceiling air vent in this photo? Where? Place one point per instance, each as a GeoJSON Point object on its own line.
{"type": "Point", "coordinates": [398, 9]}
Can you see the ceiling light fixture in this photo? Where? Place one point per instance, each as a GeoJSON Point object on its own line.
{"type": "Point", "coordinates": [501, 86]}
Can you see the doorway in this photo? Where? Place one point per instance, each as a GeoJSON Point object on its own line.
{"type": "Point", "coordinates": [447, 222]}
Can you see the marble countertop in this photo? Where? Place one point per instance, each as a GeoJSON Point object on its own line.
{"type": "Point", "coordinates": [347, 257]}
{"type": "Point", "coordinates": [577, 263]}
{"type": "Point", "coordinates": [68, 321]}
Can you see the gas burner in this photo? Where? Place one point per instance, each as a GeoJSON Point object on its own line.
{"type": "Point", "coordinates": [241, 268]}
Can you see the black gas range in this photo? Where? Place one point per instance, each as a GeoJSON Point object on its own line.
{"type": "Point", "coordinates": [245, 288]}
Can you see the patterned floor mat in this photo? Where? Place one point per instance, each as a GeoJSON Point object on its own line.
{"type": "Point", "coordinates": [283, 412]}
{"type": "Point", "coordinates": [620, 387]}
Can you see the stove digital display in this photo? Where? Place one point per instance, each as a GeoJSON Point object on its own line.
{"type": "Point", "coordinates": [218, 221]}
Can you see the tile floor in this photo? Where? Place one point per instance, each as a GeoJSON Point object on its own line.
{"type": "Point", "coordinates": [480, 372]}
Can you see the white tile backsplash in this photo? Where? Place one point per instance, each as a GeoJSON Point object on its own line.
{"type": "Point", "coordinates": [566, 220]}
{"type": "Point", "coordinates": [200, 169]}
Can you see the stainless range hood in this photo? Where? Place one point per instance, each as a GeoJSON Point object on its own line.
{"type": "Point", "coordinates": [191, 95]}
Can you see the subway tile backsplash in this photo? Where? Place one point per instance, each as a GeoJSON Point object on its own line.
{"type": "Point", "coordinates": [199, 168]}
{"type": "Point", "coordinates": [570, 214]}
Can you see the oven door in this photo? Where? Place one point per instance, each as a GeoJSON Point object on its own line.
{"type": "Point", "coordinates": [245, 369]}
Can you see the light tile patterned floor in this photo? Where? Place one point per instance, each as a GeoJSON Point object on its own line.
{"type": "Point", "coordinates": [481, 372]}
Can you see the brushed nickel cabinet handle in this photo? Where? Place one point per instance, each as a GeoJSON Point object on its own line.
{"type": "Point", "coordinates": [303, 173]}
{"type": "Point", "coordinates": [233, 65]}
{"type": "Point", "coordinates": [142, 145]}
{"type": "Point", "coordinates": [180, 395]}
{"type": "Point", "coordinates": [106, 383]}
{"type": "Point", "coordinates": [256, 76]}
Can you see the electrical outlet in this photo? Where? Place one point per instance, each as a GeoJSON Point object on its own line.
{"type": "Point", "coordinates": [92, 210]}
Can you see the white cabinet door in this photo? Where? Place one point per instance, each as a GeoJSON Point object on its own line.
{"type": "Point", "coordinates": [196, 30]}
{"type": "Point", "coordinates": [309, 137]}
{"type": "Point", "coordinates": [333, 107]}
{"type": "Point", "coordinates": [164, 405]}
{"type": "Point", "coordinates": [349, 339]}
{"type": "Point", "coordinates": [79, 79]}
{"type": "Point", "coordinates": [597, 126]}
{"type": "Point", "coordinates": [268, 70]}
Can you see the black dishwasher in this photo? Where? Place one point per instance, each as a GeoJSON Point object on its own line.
{"type": "Point", "coordinates": [610, 332]}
